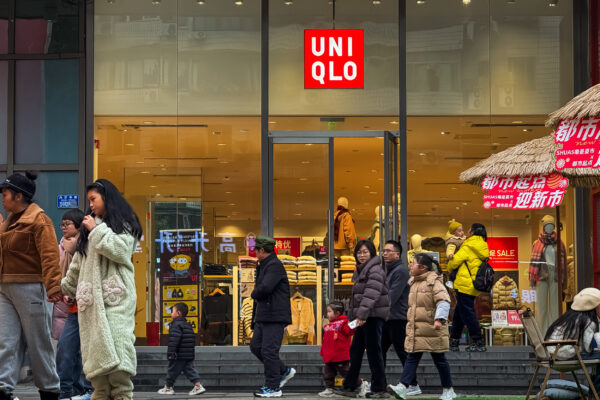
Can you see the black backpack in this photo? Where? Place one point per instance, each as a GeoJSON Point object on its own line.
{"type": "Point", "coordinates": [484, 280]}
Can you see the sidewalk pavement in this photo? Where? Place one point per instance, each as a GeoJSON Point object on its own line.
{"type": "Point", "coordinates": [29, 392]}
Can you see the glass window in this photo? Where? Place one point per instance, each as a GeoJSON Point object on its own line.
{"type": "Point", "coordinates": [46, 26]}
{"type": "Point", "coordinates": [3, 109]}
{"type": "Point", "coordinates": [49, 185]}
{"type": "Point", "coordinates": [2, 210]}
{"type": "Point", "coordinates": [3, 26]}
{"type": "Point", "coordinates": [47, 111]}
{"type": "Point", "coordinates": [287, 95]}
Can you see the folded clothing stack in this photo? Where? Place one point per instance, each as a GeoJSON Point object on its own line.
{"type": "Point", "coordinates": [307, 276]}
{"type": "Point", "coordinates": [292, 276]}
{"type": "Point", "coordinates": [306, 262]}
{"type": "Point", "coordinates": [347, 277]}
{"type": "Point", "coordinates": [288, 262]}
{"type": "Point", "coordinates": [215, 269]}
{"type": "Point", "coordinates": [247, 262]}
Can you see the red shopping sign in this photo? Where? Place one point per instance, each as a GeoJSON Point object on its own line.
{"type": "Point", "coordinates": [580, 139]}
{"type": "Point", "coordinates": [504, 253]}
{"type": "Point", "coordinates": [334, 59]}
{"type": "Point", "coordinates": [524, 192]}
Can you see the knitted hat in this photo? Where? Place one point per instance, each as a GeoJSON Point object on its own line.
{"type": "Point", "coordinates": [264, 241]}
{"type": "Point", "coordinates": [20, 184]}
{"type": "Point", "coordinates": [586, 300]}
{"type": "Point", "coordinates": [548, 219]}
{"type": "Point", "coordinates": [453, 225]}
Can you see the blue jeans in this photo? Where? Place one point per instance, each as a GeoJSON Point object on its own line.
{"type": "Point", "coordinates": [409, 373]}
{"type": "Point", "coordinates": [68, 359]}
{"type": "Point", "coordinates": [464, 314]}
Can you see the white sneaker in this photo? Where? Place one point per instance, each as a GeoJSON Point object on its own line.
{"type": "Point", "coordinates": [450, 284]}
{"type": "Point", "coordinates": [285, 378]}
{"type": "Point", "coordinates": [399, 391]}
{"type": "Point", "coordinates": [413, 390]}
{"type": "Point", "coordinates": [327, 393]}
{"type": "Point", "coordinates": [198, 389]}
{"type": "Point", "coordinates": [365, 387]}
{"type": "Point", "coordinates": [166, 390]}
{"type": "Point", "coordinates": [448, 394]}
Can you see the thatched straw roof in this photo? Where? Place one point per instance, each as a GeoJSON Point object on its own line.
{"type": "Point", "coordinates": [585, 105]}
{"type": "Point", "coordinates": [530, 158]}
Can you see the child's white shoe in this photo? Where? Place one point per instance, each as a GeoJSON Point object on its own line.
{"type": "Point", "coordinates": [398, 391]}
{"type": "Point", "coordinates": [413, 390]}
{"type": "Point", "coordinates": [448, 394]}
{"type": "Point", "coordinates": [365, 387]}
{"type": "Point", "coordinates": [328, 392]}
{"type": "Point", "coordinates": [166, 390]}
{"type": "Point", "coordinates": [198, 389]}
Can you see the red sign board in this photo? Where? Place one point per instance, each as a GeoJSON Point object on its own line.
{"type": "Point", "coordinates": [334, 59]}
{"type": "Point", "coordinates": [524, 192]}
{"type": "Point", "coordinates": [288, 245]}
{"type": "Point", "coordinates": [513, 318]}
{"type": "Point", "coordinates": [580, 139]}
{"type": "Point", "coordinates": [504, 253]}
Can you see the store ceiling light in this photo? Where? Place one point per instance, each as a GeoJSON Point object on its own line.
{"type": "Point", "coordinates": [445, 132]}
{"type": "Point", "coordinates": [412, 171]}
{"type": "Point", "coordinates": [303, 179]}
{"type": "Point", "coordinates": [299, 192]}
{"type": "Point", "coordinates": [376, 2]}
{"type": "Point", "coordinates": [144, 172]}
{"type": "Point", "coordinates": [221, 144]}
{"type": "Point", "coordinates": [527, 130]}
{"type": "Point", "coordinates": [367, 187]}
{"type": "Point", "coordinates": [200, 2]}
{"type": "Point", "coordinates": [232, 204]}
{"type": "Point", "coordinates": [288, 2]}
{"type": "Point", "coordinates": [227, 192]}
{"type": "Point", "coordinates": [155, 2]}
{"type": "Point", "coordinates": [139, 162]}
{"type": "Point", "coordinates": [421, 1]}
{"type": "Point", "coordinates": [238, 2]}
{"type": "Point", "coordinates": [129, 144]}
{"type": "Point", "coordinates": [511, 1]}
{"type": "Point", "coordinates": [372, 192]}
{"type": "Point", "coordinates": [422, 154]}
{"type": "Point", "coordinates": [305, 162]}
{"type": "Point", "coordinates": [110, 1]}
{"type": "Point", "coordinates": [517, 122]}
{"type": "Point", "coordinates": [394, 122]}
{"type": "Point", "coordinates": [466, 2]}
{"type": "Point", "coordinates": [553, 3]}
{"type": "Point", "coordinates": [216, 133]}
{"type": "Point", "coordinates": [151, 122]}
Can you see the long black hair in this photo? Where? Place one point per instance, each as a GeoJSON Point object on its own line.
{"type": "Point", "coordinates": [75, 215]}
{"type": "Point", "coordinates": [479, 230]}
{"type": "Point", "coordinates": [369, 245]}
{"type": "Point", "coordinates": [573, 324]}
{"type": "Point", "coordinates": [118, 214]}
{"type": "Point", "coordinates": [427, 261]}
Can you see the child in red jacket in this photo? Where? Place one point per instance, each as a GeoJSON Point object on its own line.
{"type": "Point", "coordinates": [335, 350]}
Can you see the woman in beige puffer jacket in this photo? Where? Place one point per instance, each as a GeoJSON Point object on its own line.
{"type": "Point", "coordinates": [427, 329]}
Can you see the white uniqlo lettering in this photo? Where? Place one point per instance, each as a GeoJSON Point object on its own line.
{"type": "Point", "coordinates": [350, 65]}
{"type": "Point", "coordinates": [335, 45]}
{"type": "Point", "coordinates": [313, 46]}
{"type": "Point", "coordinates": [318, 72]}
{"type": "Point", "coordinates": [332, 76]}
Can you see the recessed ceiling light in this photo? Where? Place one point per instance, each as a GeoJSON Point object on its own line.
{"type": "Point", "coordinates": [394, 122]}
{"type": "Point", "coordinates": [380, 179]}
{"type": "Point", "coordinates": [299, 192]}
{"type": "Point", "coordinates": [232, 204]}
{"type": "Point", "coordinates": [427, 213]}
{"type": "Point", "coordinates": [372, 192]}
{"type": "Point", "coordinates": [227, 192]}
{"type": "Point", "coordinates": [243, 130]}
{"type": "Point", "coordinates": [182, 198]}
{"type": "Point", "coordinates": [367, 187]}
{"type": "Point", "coordinates": [517, 122]}
{"type": "Point", "coordinates": [139, 162]}
{"type": "Point", "coordinates": [150, 122]}
{"type": "Point", "coordinates": [272, 122]}
{"type": "Point", "coordinates": [374, 171]}
{"type": "Point", "coordinates": [527, 130]}
{"type": "Point", "coordinates": [422, 154]}
{"type": "Point", "coordinates": [553, 3]}
{"type": "Point", "coordinates": [221, 144]}
{"type": "Point", "coordinates": [298, 204]}
{"type": "Point", "coordinates": [496, 144]}
{"type": "Point", "coordinates": [200, 2]}
{"type": "Point", "coordinates": [223, 162]}
{"type": "Point", "coordinates": [457, 207]}
{"type": "Point", "coordinates": [475, 212]}
{"type": "Point", "coordinates": [445, 132]}
{"type": "Point", "coordinates": [123, 130]}
{"type": "Point", "coordinates": [153, 186]}
{"type": "Point", "coordinates": [376, 2]}
{"type": "Point", "coordinates": [421, 1]}
{"type": "Point", "coordinates": [381, 154]}
{"type": "Point", "coordinates": [412, 170]}
{"type": "Point", "coordinates": [216, 132]}
{"type": "Point", "coordinates": [155, 2]}
{"type": "Point", "coordinates": [454, 188]}
{"type": "Point", "coordinates": [464, 204]}
{"type": "Point", "coordinates": [288, 2]}
{"type": "Point", "coordinates": [129, 144]}
{"type": "Point", "coordinates": [466, 2]}
{"type": "Point", "coordinates": [238, 2]}
{"type": "Point", "coordinates": [303, 179]}
{"type": "Point", "coordinates": [144, 172]}
{"type": "Point", "coordinates": [298, 214]}
{"type": "Point", "coordinates": [305, 162]}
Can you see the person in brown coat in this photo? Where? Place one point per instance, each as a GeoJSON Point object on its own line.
{"type": "Point", "coordinates": [427, 329]}
{"type": "Point", "coordinates": [369, 307]}
{"type": "Point", "coordinates": [29, 279]}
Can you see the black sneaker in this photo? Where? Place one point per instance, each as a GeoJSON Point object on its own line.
{"type": "Point", "coordinates": [477, 346]}
{"type": "Point", "coordinates": [268, 392]}
{"type": "Point", "coordinates": [454, 345]}
{"type": "Point", "coordinates": [4, 395]}
{"type": "Point", "coordinates": [346, 392]}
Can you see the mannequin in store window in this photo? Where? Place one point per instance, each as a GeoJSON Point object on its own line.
{"type": "Point", "coordinates": [543, 273]}
{"type": "Point", "coordinates": [378, 224]}
{"type": "Point", "coordinates": [343, 229]}
{"type": "Point", "coordinates": [415, 246]}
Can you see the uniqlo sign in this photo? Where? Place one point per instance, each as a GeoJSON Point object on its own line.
{"type": "Point", "coordinates": [334, 59]}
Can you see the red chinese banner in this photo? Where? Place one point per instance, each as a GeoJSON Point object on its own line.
{"type": "Point", "coordinates": [504, 253]}
{"type": "Point", "coordinates": [524, 192]}
{"type": "Point", "coordinates": [288, 245]}
{"type": "Point", "coordinates": [334, 59]}
{"type": "Point", "coordinates": [580, 143]}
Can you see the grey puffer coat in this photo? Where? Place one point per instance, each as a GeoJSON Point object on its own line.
{"type": "Point", "coordinates": [370, 296]}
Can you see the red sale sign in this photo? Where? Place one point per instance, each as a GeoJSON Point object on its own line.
{"type": "Point", "coordinates": [513, 318]}
{"type": "Point", "coordinates": [524, 192]}
{"type": "Point", "coordinates": [580, 139]}
{"type": "Point", "coordinates": [288, 245]}
{"type": "Point", "coordinates": [504, 253]}
{"type": "Point", "coordinates": [334, 59]}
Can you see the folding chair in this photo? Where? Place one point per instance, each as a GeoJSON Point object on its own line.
{"type": "Point", "coordinates": [546, 360]}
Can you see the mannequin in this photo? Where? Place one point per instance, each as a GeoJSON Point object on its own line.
{"type": "Point", "coordinates": [344, 231]}
{"type": "Point", "coordinates": [415, 245]}
{"type": "Point", "coordinates": [543, 273]}
{"type": "Point", "coordinates": [375, 236]}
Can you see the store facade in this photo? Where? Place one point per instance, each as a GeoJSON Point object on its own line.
{"type": "Point", "coordinates": [199, 112]}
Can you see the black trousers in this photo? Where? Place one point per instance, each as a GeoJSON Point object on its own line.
{"type": "Point", "coordinates": [367, 337]}
{"type": "Point", "coordinates": [332, 370]}
{"type": "Point", "coordinates": [464, 314]}
{"type": "Point", "coordinates": [394, 333]}
{"type": "Point", "coordinates": [439, 359]}
{"type": "Point", "coordinates": [265, 345]}
{"type": "Point", "coordinates": [176, 367]}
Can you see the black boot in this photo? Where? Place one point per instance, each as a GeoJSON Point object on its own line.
{"type": "Point", "coordinates": [44, 395]}
{"type": "Point", "coordinates": [454, 344]}
{"type": "Point", "coordinates": [4, 395]}
{"type": "Point", "coordinates": [477, 346]}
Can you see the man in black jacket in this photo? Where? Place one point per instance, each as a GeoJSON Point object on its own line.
{"type": "Point", "coordinates": [394, 330]}
{"type": "Point", "coordinates": [181, 352]}
{"type": "Point", "coordinates": [270, 316]}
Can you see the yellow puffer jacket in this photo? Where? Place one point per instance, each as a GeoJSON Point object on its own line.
{"type": "Point", "coordinates": [472, 252]}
